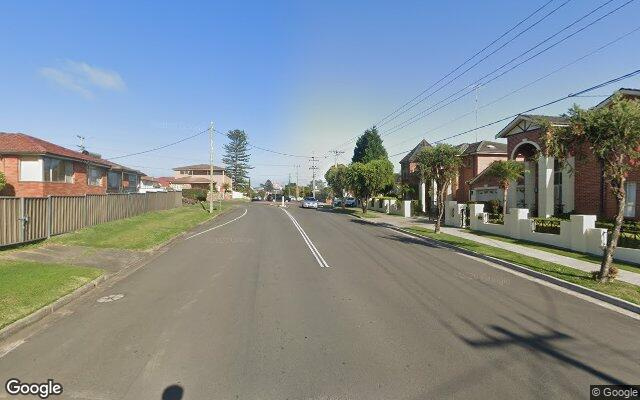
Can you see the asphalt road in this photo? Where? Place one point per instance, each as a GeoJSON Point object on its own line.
{"type": "Point", "coordinates": [249, 311]}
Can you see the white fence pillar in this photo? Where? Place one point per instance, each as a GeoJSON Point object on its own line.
{"type": "Point", "coordinates": [406, 208]}
{"type": "Point", "coordinates": [545, 186]}
{"type": "Point", "coordinates": [422, 189]}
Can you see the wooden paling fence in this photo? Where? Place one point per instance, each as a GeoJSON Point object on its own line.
{"type": "Point", "coordinates": [25, 219]}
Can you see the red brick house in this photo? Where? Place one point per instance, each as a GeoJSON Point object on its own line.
{"type": "Point", "coordinates": [34, 168]}
{"type": "Point", "coordinates": [550, 188]}
{"type": "Point", "coordinates": [476, 157]}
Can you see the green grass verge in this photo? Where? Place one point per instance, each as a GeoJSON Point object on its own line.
{"type": "Point", "coordinates": [559, 251]}
{"type": "Point", "coordinates": [357, 212]}
{"type": "Point", "coordinates": [622, 290]}
{"type": "Point", "coordinates": [141, 232]}
{"type": "Point", "coordinates": [28, 286]}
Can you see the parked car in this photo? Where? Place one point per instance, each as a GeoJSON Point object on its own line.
{"type": "Point", "coordinates": [350, 202]}
{"type": "Point", "coordinates": [309, 202]}
{"type": "Point", "coordinates": [256, 198]}
{"type": "Point", "coordinates": [337, 201]}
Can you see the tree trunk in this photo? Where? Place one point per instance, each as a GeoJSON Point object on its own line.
{"type": "Point", "coordinates": [343, 205]}
{"type": "Point", "coordinates": [607, 258]}
{"type": "Point", "coordinates": [504, 203]}
{"type": "Point", "coordinates": [440, 204]}
{"type": "Point", "coordinates": [364, 203]}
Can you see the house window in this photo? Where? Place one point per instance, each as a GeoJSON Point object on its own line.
{"type": "Point", "coordinates": [94, 176]}
{"type": "Point", "coordinates": [31, 169]}
{"type": "Point", "coordinates": [57, 170]}
{"type": "Point", "coordinates": [113, 181]}
{"type": "Point", "coordinates": [133, 183]}
{"type": "Point", "coordinates": [630, 203]}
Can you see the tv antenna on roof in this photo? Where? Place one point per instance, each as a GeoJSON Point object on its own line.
{"type": "Point", "coordinates": [81, 145]}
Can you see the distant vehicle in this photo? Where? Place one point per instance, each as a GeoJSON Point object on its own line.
{"type": "Point", "coordinates": [269, 197]}
{"type": "Point", "coordinates": [337, 201]}
{"type": "Point", "coordinates": [256, 198]}
{"type": "Point", "coordinates": [350, 202]}
{"type": "Point", "coordinates": [309, 202]}
{"type": "Point", "coordinates": [286, 198]}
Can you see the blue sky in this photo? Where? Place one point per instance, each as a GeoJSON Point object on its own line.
{"type": "Point", "coordinates": [298, 77]}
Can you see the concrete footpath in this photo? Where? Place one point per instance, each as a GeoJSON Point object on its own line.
{"type": "Point", "coordinates": [623, 275]}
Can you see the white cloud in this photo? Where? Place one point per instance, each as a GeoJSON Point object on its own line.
{"type": "Point", "coordinates": [83, 78]}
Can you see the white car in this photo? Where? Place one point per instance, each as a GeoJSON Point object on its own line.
{"type": "Point", "coordinates": [309, 202]}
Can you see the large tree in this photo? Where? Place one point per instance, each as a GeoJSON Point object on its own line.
{"type": "Point", "coordinates": [439, 163]}
{"type": "Point", "coordinates": [236, 158]}
{"type": "Point", "coordinates": [367, 180]}
{"type": "Point", "coordinates": [611, 134]}
{"type": "Point", "coordinates": [268, 186]}
{"type": "Point", "coordinates": [369, 147]}
{"type": "Point", "coordinates": [338, 180]}
{"type": "Point", "coordinates": [505, 172]}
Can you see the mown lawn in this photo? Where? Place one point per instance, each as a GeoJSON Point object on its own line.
{"type": "Point", "coordinates": [27, 286]}
{"type": "Point", "coordinates": [141, 232]}
{"type": "Point", "coordinates": [562, 252]}
{"type": "Point", "coordinates": [622, 290]}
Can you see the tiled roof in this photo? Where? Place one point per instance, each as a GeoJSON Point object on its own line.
{"type": "Point", "coordinates": [413, 153]}
{"type": "Point", "coordinates": [165, 180]}
{"type": "Point", "coordinates": [198, 167]}
{"type": "Point", "coordinates": [554, 119]}
{"type": "Point", "coordinates": [485, 147]}
{"type": "Point", "coordinates": [626, 92]}
{"type": "Point", "coordinates": [532, 120]}
{"type": "Point", "coordinates": [19, 143]}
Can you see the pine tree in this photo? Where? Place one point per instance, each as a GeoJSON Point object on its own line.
{"type": "Point", "coordinates": [236, 158]}
{"type": "Point", "coordinates": [369, 147]}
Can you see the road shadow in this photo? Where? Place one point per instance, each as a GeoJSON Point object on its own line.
{"type": "Point", "coordinates": [173, 392]}
{"type": "Point", "coordinates": [408, 240]}
{"type": "Point", "coordinates": [497, 336]}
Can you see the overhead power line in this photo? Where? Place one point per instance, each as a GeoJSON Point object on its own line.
{"type": "Point", "coordinates": [571, 95]}
{"type": "Point", "coordinates": [201, 133]}
{"type": "Point", "coordinates": [564, 66]}
{"type": "Point", "coordinates": [471, 87]}
{"type": "Point", "coordinates": [162, 147]}
{"type": "Point", "coordinates": [477, 62]}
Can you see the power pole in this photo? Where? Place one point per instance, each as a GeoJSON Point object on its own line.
{"type": "Point", "coordinates": [297, 188]}
{"type": "Point", "coordinates": [313, 169]}
{"type": "Point", "coordinates": [223, 189]}
{"type": "Point", "coordinates": [336, 154]}
{"type": "Point", "coordinates": [211, 168]}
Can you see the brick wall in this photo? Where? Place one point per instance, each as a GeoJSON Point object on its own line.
{"type": "Point", "coordinates": [10, 166]}
{"type": "Point", "coordinates": [473, 165]}
{"type": "Point", "coordinates": [514, 140]}
{"type": "Point", "coordinates": [588, 181]}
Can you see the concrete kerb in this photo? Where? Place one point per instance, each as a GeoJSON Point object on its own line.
{"type": "Point", "coordinates": [49, 309]}
{"type": "Point", "coordinates": [626, 305]}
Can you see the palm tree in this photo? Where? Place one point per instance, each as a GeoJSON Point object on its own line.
{"type": "Point", "coordinates": [506, 172]}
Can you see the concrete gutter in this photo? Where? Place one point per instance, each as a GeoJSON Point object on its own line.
{"type": "Point", "coordinates": [626, 305]}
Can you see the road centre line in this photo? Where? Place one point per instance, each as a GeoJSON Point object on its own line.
{"type": "Point", "coordinates": [321, 261]}
{"type": "Point", "coordinates": [218, 226]}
